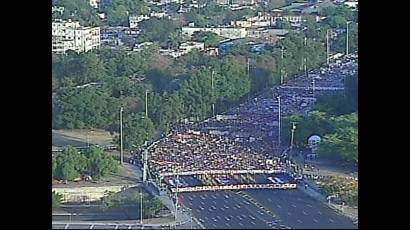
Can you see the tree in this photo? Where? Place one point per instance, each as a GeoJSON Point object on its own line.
{"type": "Point", "coordinates": [209, 38]}
{"type": "Point", "coordinates": [56, 199]}
{"type": "Point", "coordinates": [70, 164]}
{"type": "Point", "coordinates": [342, 143]}
{"type": "Point", "coordinates": [100, 164]}
{"type": "Point", "coordinates": [283, 24]}
{"type": "Point", "coordinates": [118, 11]}
{"type": "Point", "coordinates": [79, 10]}
{"type": "Point", "coordinates": [158, 30]}
{"type": "Point", "coordinates": [136, 130]}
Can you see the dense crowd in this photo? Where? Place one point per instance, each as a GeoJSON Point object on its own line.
{"type": "Point", "coordinates": [246, 137]}
{"type": "Point", "coordinates": [192, 151]}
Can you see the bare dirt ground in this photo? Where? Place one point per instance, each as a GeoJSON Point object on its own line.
{"type": "Point", "coordinates": [78, 137]}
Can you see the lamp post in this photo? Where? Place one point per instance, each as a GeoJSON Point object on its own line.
{"type": "Point", "coordinates": [121, 147]}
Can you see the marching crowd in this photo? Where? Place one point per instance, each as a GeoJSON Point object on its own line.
{"type": "Point", "coordinates": [246, 137]}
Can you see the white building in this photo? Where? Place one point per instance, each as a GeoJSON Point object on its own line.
{"type": "Point", "coordinates": [68, 35]}
{"type": "Point", "coordinates": [134, 20]}
{"type": "Point", "coordinates": [230, 33]}
{"type": "Point", "coordinates": [94, 3]}
{"type": "Point", "coordinates": [189, 46]}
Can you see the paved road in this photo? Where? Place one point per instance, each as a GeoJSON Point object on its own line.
{"type": "Point", "coordinates": [298, 210]}
{"type": "Point", "coordinates": [226, 210]}
{"type": "Point", "coordinates": [82, 225]}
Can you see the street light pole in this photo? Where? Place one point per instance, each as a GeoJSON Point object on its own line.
{"type": "Point", "coordinates": [248, 69]}
{"type": "Point", "coordinates": [141, 206]}
{"type": "Point", "coordinates": [347, 38]}
{"type": "Point", "coordinates": [281, 67]}
{"type": "Point", "coordinates": [293, 131]}
{"type": "Point", "coordinates": [212, 86]}
{"type": "Point", "coordinates": [279, 118]}
{"type": "Point", "coordinates": [327, 47]}
{"type": "Point", "coordinates": [146, 103]}
{"type": "Point", "coordinates": [121, 147]}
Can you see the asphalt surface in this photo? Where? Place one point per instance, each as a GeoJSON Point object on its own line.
{"type": "Point", "coordinates": [264, 209]}
{"type": "Point", "coordinates": [226, 210]}
{"type": "Point", "coordinates": [298, 210]}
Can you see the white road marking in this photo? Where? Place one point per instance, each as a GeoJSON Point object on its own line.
{"type": "Point", "coordinates": [202, 203]}
{"type": "Point", "coordinates": [293, 205]}
{"type": "Point", "coordinates": [299, 221]}
{"type": "Point", "coordinates": [305, 213]}
{"type": "Point", "coordinates": [288, 213]}
{"type": "Point", "coordinates": [222, 209]}
{"type": "Point", "coordinates": [206, 218]}
{"type": "Point", "coordinates": [310, 206]}
{"type": "Point", "coordinates": [214, 225]}
{"type": "Point", "coordinates": [190, 203]}
{"type": "Point", "coordinates": [92, 226]}
{"type": "Point", "coordinates": [129, 226]}
{"type": "Point", "coordinates": [116, 227]}
{"type": "Point", "coordinates": [269, 200]}
{"type": "Point", "coordinates": [239, 217]}
{"type": "Point", "coordinates": [279, 206]}
{"type": "Point", "coordinates": [319, 212]}
{"type": "Point", "coordinates": [253, 223]}
{"type": "Point", "coordinates": [315, 220]}
{"type": "Point", "coordinates": [213, 207]}
{"type": "Point", "coordinates": [227, 224]}
{"type": "Point", "coordinates": [331, 220]}
{"type": "Point", "coordinates": [253, 218]}
{"type": "Point", "coordinates": [66, 226]}
{"type": "Point", "coordinates": [240, 224]}
{"type": "Point", "coordinates": [219, 217]}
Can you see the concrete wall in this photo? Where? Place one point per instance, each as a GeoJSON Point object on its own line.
{"type": "Point", "coordinates": [86, 194]}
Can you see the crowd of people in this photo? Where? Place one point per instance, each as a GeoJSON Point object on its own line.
{"type": "Point", "coordinates": [246, 137]}
{"type": "Point", "coordinates": [192, 151]}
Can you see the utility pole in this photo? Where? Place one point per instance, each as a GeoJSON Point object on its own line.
{"type": "Point", "coordinates": [306, 72]}
{"type": "Point", "coordinates": [146, 103]}
{"type": "Point", "coordinates": [279, 118]}
{"type": "Point", "coordinates": [121, 149]}
{"type": "Point", "coordinates": [281, 68]}
{"type": "Point", "coordinates": [141, 207]}
{"type": "Point", "coordinates": [176, 197]}
{"type": "Point", "coordinates": [248, 68]}
{"type": "Point", "coordinates": [347, 38]}
{"type": "Point", "coordinates": [212, 86]}
{"type": "Point", "coordinates": [313, 86]}
{"type": "Point", "coordinates": [327, 47]}
{"type": "Point", "coordinates": [291, 138]}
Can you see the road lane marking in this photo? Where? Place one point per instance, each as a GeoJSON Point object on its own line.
{"type": "Point", "coordinates": [310, 206]}
{"type": "Point", "coordinates": [279, 206]}
{"type": "Point", "coordinates": [66, 226]}
{"type": "Point", "coordinates": [219, 217]}
{"type": "Point", "coordinates": [206, 218]}
{"type": "Point", "coordinates": [305, 213]}
{"type": "Point", "coordinates": [331, 220]}
{"type": "Point", "coordinates": [253, 223]}
{"type": "Point", "coordinates": [299, 221]}
{"type": "Point", "coordinates": [293, 205]}
{"type": "Point", "coordinates": [319, 212]}
{"type": "Point", "coordinates": [269, 200]}
{"type": "Point", "coordinates": [214, 225]}
{"type": "Point", "coordinates": [239, 217]}
{"type": "Point", "coordinates": [222, 209]}
{"type": "Point", "coordinates": [315, 220]}
{"type": "Point", "coordinates": [116, 227]}
{"type": "Point", "coordinates": [92, 226]}
{"type": "Point", "coordinates": [227, 224]}
{"type": "Point", "coordinates": [129, 226]}
{"type": "Point", "coordinates": [240, 223]}
{"type": "Point", "coordinates": [288, 213]}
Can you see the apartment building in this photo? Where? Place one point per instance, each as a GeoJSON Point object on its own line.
{"type": "Point", "coordinates": [69, 35]}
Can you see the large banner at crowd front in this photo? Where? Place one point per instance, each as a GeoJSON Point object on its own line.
{"type": "Point", "coordinates": [235, 187]}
